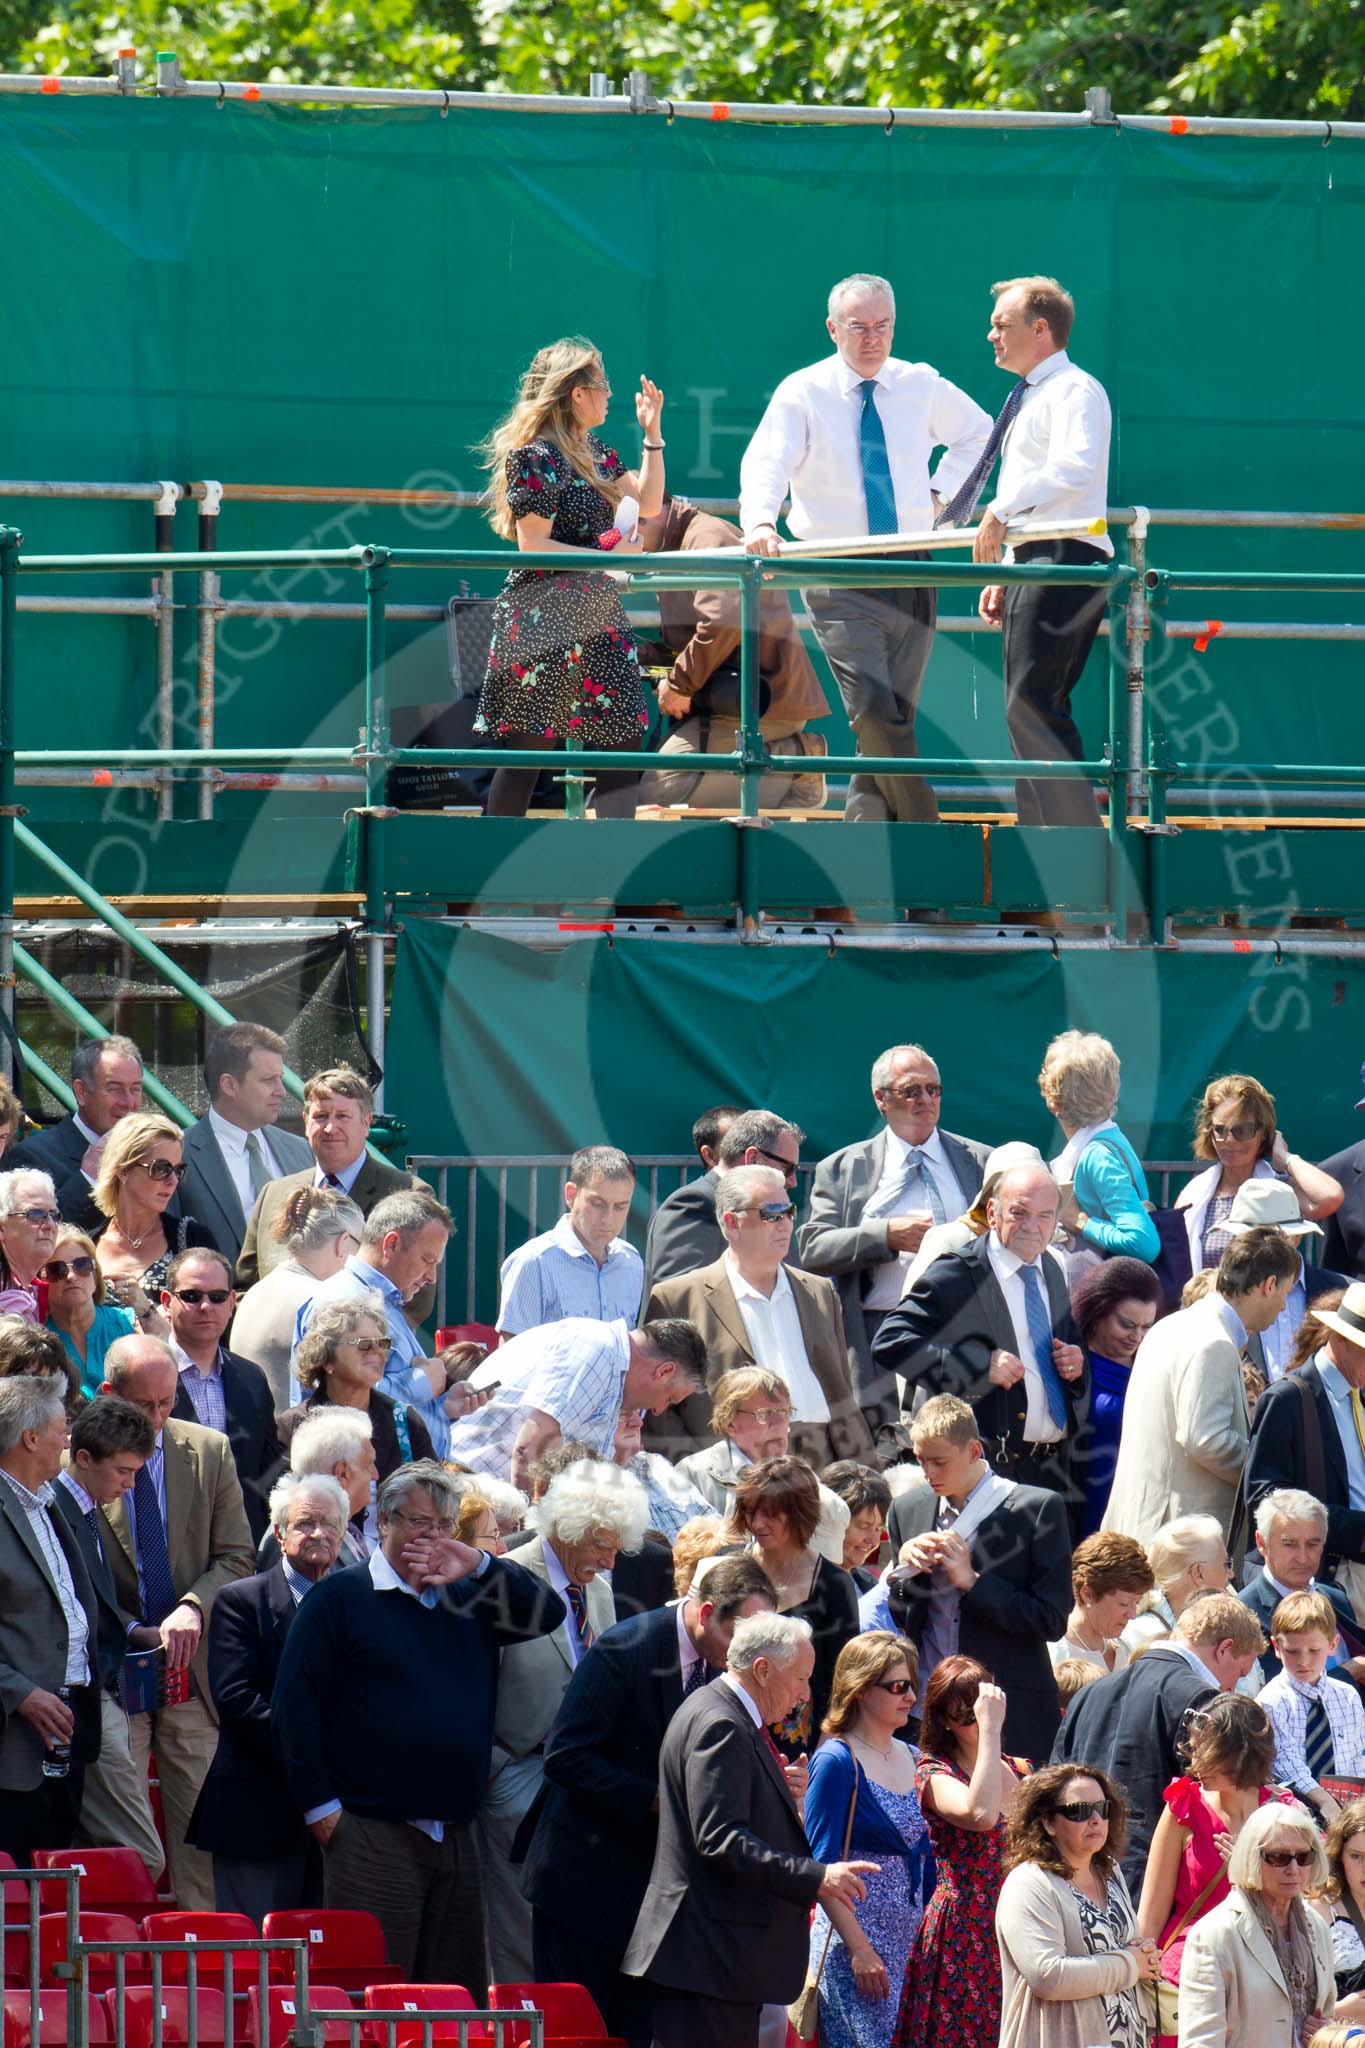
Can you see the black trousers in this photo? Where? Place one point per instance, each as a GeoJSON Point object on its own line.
{"type": "Point", "coordinates": [1047, 635]}
{"type": "Point", "coordinates": [611, 795]}
{"type": "Point", "coordinates": [687, 2019]}
{"type": "Point", "coordinates": [564, 1956]}
{"type": "Point", "coordinates": [43, 1818]}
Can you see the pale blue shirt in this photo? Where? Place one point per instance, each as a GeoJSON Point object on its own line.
{"type": "Point", "coordinates": [1339, 1394]}
{"type": "Point", "coordinates": [1278, 1341]}
{"type": "Point", "coordinates": [556, 1275]}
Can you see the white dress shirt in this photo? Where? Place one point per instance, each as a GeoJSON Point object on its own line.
{"type": "Point", "coordinates": [888, 1282]}
{"type": "Point", "coordinates": [231, 1142]}
{"type": "Point", "coordinates": [1039, 1427]}
{"type": "Point", "coordinates": [728, 1678]}
{"type": "Point", "coordinates": [775, 1338]}
{"type": "Point", "coordinates": [808, 442]}
{"type": "Point", "coordinates": [1055, 462]}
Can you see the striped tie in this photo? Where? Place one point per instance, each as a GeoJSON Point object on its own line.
{"type": "Point", "coordinates": [1318, 1745]}
{"type": "Point", "coordinates": [965, 499]}
{"type": "Point", "coordinates": [578, 1607]}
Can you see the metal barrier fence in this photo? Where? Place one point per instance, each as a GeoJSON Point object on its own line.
{"type": "Point", "coordinates": [514, 1185]}
{"type": "Point", "coordinates": [413, 2026]}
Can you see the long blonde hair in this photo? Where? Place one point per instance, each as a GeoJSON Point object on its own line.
{"type": "Point", "coordinates": [544, 412]}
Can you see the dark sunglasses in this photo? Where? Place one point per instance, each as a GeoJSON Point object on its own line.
{"type": "Point", "coordinates": [1238, 1133]}
{"type": "Point", "coordinates": [57, 1269]}
{"type": "Point", "coordinates": [162, 1169]}
{"type": "Point", "coordinates": [788, 1171]}
{"type": "Point", "coordinates": [917, 1091]}
{"type": "Point", "coordinates": [192, 1296]}
{"type": "Point", "coordinates": [1081, 1810]}
{"type": "Point", "coordinates": [37, 1216]}
{"type": "Point", "coordinates": [776, 1212]}
{"type": "Point", "coordinates": [899, 1686]}
{"type": "Point", "coordinates": [1280, 1859]}
{"type": "Point", "coordinates": [369, 1346]}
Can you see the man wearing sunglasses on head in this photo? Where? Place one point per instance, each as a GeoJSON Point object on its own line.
{"type": "Point", "coordinates": [218, 1389]}
{"type": "Point", "coordinates": [754, 1309]}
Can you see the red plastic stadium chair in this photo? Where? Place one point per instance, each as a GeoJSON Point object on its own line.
{"type": "Point", "coordinates": [206, 1927]}
{"type": "Point", "coordinates": [52, 2028]}
{"type": "Point", "coordinates": [570, 2011]}
{"type": "Point", "coordinates": [346, 1948]}
{"type": "Point", "coordinates": [450, 1334]}
{"type": "Point", "coordinates": [273, 2030]}
{"type": "Point", "coordinates": [139, 2025]}
{"type": "Point", "coordinates": [112, 1880]}
{"type": "Point", "coordinates": [91, 1927]}
{"type": "Point", "coordinates": [419, 1998]}
{"type": "Point", "coordinates": [16, 1914]}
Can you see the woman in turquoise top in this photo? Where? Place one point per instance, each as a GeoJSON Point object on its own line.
{"type": "Point", "coordinates": [76, 1308]}
{"type": "Point", "coordinates": [1109, 1210]}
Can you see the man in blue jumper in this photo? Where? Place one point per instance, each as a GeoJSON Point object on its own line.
{"type": "Point", "coordinates": [383, 1720]}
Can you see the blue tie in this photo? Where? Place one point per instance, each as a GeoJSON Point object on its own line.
{"type": "Point", "coordinates": [1040, 1331]}
{"type": "Point", "coordinates": [966, 497]}
{"type": "Point", "coordinates": [877, 486]}
{"type": "Point", "coordinates": [919, 1181]}
{"type": "Point", "coordinates": [159, 1596]}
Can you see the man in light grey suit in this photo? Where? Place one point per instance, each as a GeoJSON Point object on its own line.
{"type": "Point", "coordinates": [232, 1152]}
{"type": "Point", "coordinates": [872, 1203]}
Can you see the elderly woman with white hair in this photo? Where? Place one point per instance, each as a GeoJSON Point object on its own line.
{"type": "Point", "coordinates": [264, 1858]}
{"type": "Point", "coordinates": [1257, 1971]}
{"type": "Point", "coordinates": [28, 1230]}
{"type": "Point", "coordinates": [319, 1228]}
{"type": "Point", "coordinates": [1187, 1556]}
{"type": "Point", "coordinates": [589, 1513]}
{"type": "Point", "coordinates": [1109, 1209]}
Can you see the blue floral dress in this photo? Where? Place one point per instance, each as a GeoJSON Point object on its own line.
{"type": "Point", "coordinates": [889, 1917]}
{"type": "Point", "coordinates": [563, 657]}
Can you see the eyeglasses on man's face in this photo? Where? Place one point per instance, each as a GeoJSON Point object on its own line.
{"type": "Point", "coordinates": [39, 1216]}
{"type": "Point", "coordinates": [915, 1091]}
{"type": "Point", "coordinates": [766, 1417]}
{"type": "Point", "coordinates": [425, 1525]}
{"type": "Point", "coordinates": [775, 1212]}
{"type": "Point", "coordinates": [863, 330]}
{"type": "Point", "coordinates": [193, 1297]}
{"type": "Point", "coordinates": [784, 1166]}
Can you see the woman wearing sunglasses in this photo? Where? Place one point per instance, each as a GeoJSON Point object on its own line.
{"type": "Point", "coordinates": [1070, 1953]}
{"type": "Point", "coordinates": [339, 1364]}
{"type": "Point", "coordinates": [139, 1175]}
{"type": "Point", "coordinates": [76, 1308]}
{"type": "Point", "coordinates": [1258, 1971]}
{"type": "Point", "coordinates": [1235, 1128]}
{"type": "Point", "coordinates": [28, 1225]}
{"type": "Point", "coordinates": [861, 1802]}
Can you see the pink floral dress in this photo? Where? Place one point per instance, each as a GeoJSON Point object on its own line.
{"type": "Point", "coordinates": [563, 657]}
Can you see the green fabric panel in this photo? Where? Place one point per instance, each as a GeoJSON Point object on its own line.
{"type": "Point", "coordinates": [268, 294]}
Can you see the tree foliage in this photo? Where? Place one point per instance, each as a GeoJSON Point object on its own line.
{"type": "Point", "coordinates": [1279, 59]}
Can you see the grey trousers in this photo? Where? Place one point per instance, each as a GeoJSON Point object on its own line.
{"type": "Point", "coordinates": [427, 1896]}
{"type": "Point", "coordinates": [116, 1811]}
{"type": "Point", "coordinates": [877, 643]}
{"type": "Point", "coordinates": [257, 1885]}
{"type": "Point", "coordinates": [509, 1799]}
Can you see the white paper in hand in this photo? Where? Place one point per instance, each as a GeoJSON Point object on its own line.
{"type": "Point", "coordinates": [627, 520]}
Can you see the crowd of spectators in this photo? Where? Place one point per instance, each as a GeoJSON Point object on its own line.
{"type": "Point", "coordinates": [791, 1604]}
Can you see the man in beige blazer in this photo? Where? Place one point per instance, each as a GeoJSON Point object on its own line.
{"type": "Point", "coordinates": [754, 1309]}
{"type": "Point", "coordinates": [588, 1514]}
{"type": "Point", "coordinates": [1185, 1417]}
{"type": "Point", "coordinates": [200, 1534]}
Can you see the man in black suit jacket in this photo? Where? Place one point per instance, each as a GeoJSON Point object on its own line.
{"type": "Point", "coordinates": [264, 1858]}
{"type": "Point", "coordinates": [963, 1329]}
{"type": "Point", "coordinates": [684, 1232]}
{"type": "Point", "coordinates": [106, 1080]}
{"type": "Point", "coordinates": [235, 1149]}
{"type": "Point", "coordinates": [999, 1590]}
{"type": "Point", "coordinates": [217, 1388]}
{"type": "Point", "coordinates": [725, 1924]}
{"type": "Point", "coordinates": [1298, 1433]}
{"type": "Point", "coordinates": [588, 1861]}
{"type": "Point", "coordinates": [871, 1205]}
{"type": "Point", "coordinates": [1130, 1722]}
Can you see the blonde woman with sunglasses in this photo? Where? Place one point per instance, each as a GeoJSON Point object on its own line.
{"type": "Point", "coordinates": [76, 1308]}
{"type": "Point", "coordinates": [137, 1180]}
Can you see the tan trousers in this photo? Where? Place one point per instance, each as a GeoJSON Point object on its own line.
{"type": "Point", "coordinates": [184, 1738]}
{"type": "Point", "coordinates": [116, 1809]}
{"type": "Point", "coordinates": [684, 784]}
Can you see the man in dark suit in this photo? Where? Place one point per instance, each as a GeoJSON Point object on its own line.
{"type": "Point", "coordinates": [337, 1112]}
{"type": "Point", "coordinates": [752, 1308]}
{"type": "Point", "coordinates": [997, 1588]}
{"type": "Point", "coordinates": [872, 1203]}
{"type": "Point", "coordinates": [1291, 1529]}
{"type": "Point", "coordinates": [588, 1862]}
{"type": "Point", "coordinates": [1130, 1722]}
{"type": "Point", "coordinates": [106, 1080]}
{"type": "Point", "coordinates": [1303, 1434]}
{"type": "Point", "coordinates": [217, 1389]}
{"type": "Point", "coordinates": [724, 1928]}
{"type": "Point", "coordinates": [49, 1630]}
{"type": "Point", "coordinates": [233, 1151]}
{"type": "Point", "coordinates": [264, 1858]}
{"type": "Point", "coordinates": [684, 1232]}
{"type": "Point", "coordinates": [110, 1443]}
{"type": "Point", "coordinates": [993, 1324]}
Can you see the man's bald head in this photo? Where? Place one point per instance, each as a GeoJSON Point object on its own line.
{"type": "Point", "coordinates": [1023, 1211]}
{"type": "Point", "coordinates": [142, 1370]}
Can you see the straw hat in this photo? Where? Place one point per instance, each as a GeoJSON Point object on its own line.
{"type": "Point", "coordinates": [1349, 1319]}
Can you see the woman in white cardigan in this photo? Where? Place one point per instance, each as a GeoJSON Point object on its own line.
{"type": "Point", "coordinates": [1235, 1128]}
{"type": "Point", "coordinates": [1070, 1953]}
{"type": "Point", "coordinates": [1257, 1971]}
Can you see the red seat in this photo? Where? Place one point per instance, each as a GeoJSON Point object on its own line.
{"type": "Point", "coordinates": [569, 2010]}
{"type": "Point", "coordinates": [246, 1964]}
{"type": "Point", "coordinates": [422, 1998]}
{"type": "Point", "coordinates": [138, 2024]}
{"type": "Point", "coordinates": [53, 2031]}
{"type": "Point", "coordinates": [282, 2012]}
{"type": "Point", "coordinates": [112, 1880]}
{"type": "Point", "coordinates": [347, 1948]}
{"type": "Point", "coordinates": [16, 1911]}
{"type": "Point", "coordinates": [92, 1927]}
{"type": "Point", "coordinates": [451, 1334]}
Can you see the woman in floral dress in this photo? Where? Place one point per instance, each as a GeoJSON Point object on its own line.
{"type": "Point", "coordinates": [563, 657]}
{"type": "Point", "coordinates": [966, 1787]}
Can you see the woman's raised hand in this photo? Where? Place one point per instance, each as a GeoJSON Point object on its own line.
{"type": "Point", "coordinates": [649, 404]}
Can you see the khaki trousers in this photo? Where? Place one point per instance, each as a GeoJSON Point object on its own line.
{"type": "Point", "coordinates": [184, 1738]}
{"type": "Point", "coordinates": [116, 1811]}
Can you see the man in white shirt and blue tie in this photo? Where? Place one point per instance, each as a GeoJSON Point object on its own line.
{"type": "Point", "coordinates": [851, 438]}
{"type": "Point", "coordinates": [1053, 438]}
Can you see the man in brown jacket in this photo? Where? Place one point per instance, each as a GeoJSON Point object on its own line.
{"type": "Point", "coordinates": [699, 633]}
{"type": "Point", "coordinates": [753, 1309]}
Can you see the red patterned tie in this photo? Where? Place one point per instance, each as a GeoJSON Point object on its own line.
{"type": "Point", "coordinates": [776, 1756]}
